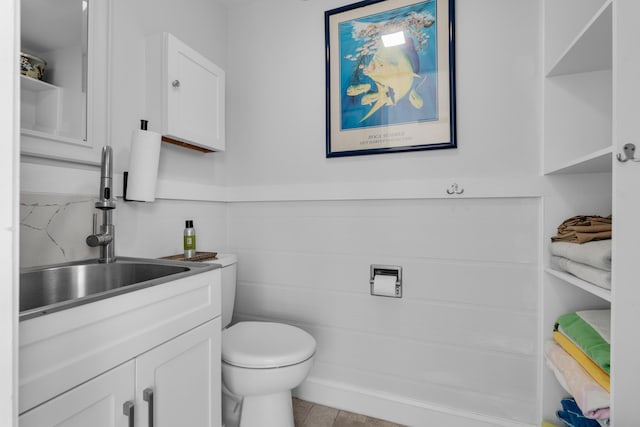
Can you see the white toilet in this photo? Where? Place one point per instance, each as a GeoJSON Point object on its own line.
{"type": "Point", "coordinates": [261, 362]}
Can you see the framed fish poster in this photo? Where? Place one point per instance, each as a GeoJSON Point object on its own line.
{"type": "Point", "coordinates": [390, 76]}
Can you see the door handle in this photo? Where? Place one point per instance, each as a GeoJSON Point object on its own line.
{"type": "Point", "coordinates": [128, 410]}
{"type": "Point", "coordinates": [147, 396]}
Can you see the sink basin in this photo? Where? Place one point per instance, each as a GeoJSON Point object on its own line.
{"type": "Point", "coordinates": [52, 288]}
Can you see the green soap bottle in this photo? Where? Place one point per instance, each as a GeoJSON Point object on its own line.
{"type": "Point", "coordinates": [189, 239]}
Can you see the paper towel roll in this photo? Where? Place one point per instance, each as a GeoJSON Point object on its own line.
{"type": "Point", "coordinates": [143, 165]}
{"type": "Point", "coordinates": [384, 284]}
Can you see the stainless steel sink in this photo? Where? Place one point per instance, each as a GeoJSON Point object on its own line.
{"type": "Point", "coordinates": [52, 288]}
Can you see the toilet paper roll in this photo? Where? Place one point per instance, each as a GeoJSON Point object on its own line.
{"type": "Point", "coordinates": [143, 165]}
{"type": "Point", "coordinates": [385, 285]}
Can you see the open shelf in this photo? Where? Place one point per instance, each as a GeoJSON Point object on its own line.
{"type": "Point", "coordinates": [599, 161]}
{"type": "Point", "coordinates": [602, 293]}
{"type": "Point", "coordinates": [35, 85]}
{"type": "Point", "coordinates": [52, 135]}
{"type": "Point", "coordinates": [591, 48]}
{"type": "Point", "coordinates": [40, 105]}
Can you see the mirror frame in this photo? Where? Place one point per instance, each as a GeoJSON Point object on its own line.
{"type": "Point", "coordinates": [98, 99]}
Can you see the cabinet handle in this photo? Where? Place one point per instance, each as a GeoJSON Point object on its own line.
{"type": "Point", "coordinates": [128, 410]}
{"type": "Point", "coordinates": [175, 83]}
{"type": "Point", "coordinates": [147, 396]}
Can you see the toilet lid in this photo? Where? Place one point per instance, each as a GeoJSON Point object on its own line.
{"type": "Point", "coordinates": [266, 345]}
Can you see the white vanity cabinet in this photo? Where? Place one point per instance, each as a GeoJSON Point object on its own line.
{"type": "Point", "coordinates": [79, 366]}
{"type": "Point", "coordinates": [176, 383]}
{"type": "Point", "coordinates": [97, 403]}
{"type": "Point", "coordinates": [185, 95]}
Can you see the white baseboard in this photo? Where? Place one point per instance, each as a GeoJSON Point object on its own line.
{"type": "Point", "coordinates": [393, 408]}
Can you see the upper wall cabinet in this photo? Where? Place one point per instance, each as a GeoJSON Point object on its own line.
{"type": "Point", "coordinates": [64, 112]}
{"type": "Point", "coordinates": [185, 95]}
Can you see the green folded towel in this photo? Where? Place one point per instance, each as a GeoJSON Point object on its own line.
{"type": "Point", "coordinates": [585, 336]}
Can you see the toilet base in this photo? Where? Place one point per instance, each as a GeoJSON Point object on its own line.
{"type": "Point", "coordinates": [271, 410]}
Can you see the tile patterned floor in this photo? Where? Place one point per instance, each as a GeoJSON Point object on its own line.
{"type": "Point", "coordinates": [307, 414]}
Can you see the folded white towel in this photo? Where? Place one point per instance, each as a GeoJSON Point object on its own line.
{"type": "Point", "coordinates": [585, 272]}
{"type": "Point", "coordinates": [596, 253]}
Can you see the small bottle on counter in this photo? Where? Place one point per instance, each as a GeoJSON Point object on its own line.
{"type": "Point", "coordinates": [189, 239]}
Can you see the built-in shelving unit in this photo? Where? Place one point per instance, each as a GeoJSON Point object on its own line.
{"type": "Point", "coordinates": [577, 152]}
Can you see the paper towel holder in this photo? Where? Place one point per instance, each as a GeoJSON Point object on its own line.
{"type": "Point", "coordinates": [125, 181]}
{"type": "Point", "coordinates": [144, 126]}
{"type": "Point", "coordinates": [387, 270]}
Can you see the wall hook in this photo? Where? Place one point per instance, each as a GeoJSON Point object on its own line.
{"type": "Point", "coordinates": [455, 189]}
{"type": "Point", "coordinates": [629, 153]}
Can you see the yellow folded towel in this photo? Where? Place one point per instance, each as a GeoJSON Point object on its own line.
{"type": "Point", "coordinates": [589, 365]}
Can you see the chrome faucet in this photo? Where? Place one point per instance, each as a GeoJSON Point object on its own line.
{"type": "Point", "coordinates": [106, 203]}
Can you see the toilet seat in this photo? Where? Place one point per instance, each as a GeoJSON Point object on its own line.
{"type": "Point", "coordinates": [261, 345]}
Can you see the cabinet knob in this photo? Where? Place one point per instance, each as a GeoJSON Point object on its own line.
{"type": "Point", "coordinates": [175, 83]}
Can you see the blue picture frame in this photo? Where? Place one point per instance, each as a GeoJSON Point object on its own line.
{"type": "Point", "coordinates": [390, 77]}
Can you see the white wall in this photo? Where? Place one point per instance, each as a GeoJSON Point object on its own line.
{"type": "Point", "coordinates": [201, 24]}
{"type": "Point", "coordinates": [461, 343]}
{"type": "Point", "coordinates": [463, 336]}
{"type": "Point", "coordinates": [156, 229]}
{"type": "Point", "coordinates": [276, 126]}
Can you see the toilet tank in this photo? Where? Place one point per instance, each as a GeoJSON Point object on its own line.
{"type": "Point", "coordinates": [229, 268]}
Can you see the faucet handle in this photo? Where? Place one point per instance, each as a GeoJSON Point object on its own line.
{"type": "Point", "coordinates": [95, 223]}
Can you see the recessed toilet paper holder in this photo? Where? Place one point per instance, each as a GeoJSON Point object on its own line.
{"type": "Point", "coordinates": [386, 270]}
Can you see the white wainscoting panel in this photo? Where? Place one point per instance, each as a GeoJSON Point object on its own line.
{"type": "Point", "coordinates": [462, 338]}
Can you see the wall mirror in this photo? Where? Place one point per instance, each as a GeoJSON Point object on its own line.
{"type": "Point", "coordinates": [63, 86]}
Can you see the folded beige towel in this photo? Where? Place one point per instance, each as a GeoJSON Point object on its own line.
{"type": "Point", "coordinates": [575, 237]}
{"type": "Point", "coordinates": [583, 228]}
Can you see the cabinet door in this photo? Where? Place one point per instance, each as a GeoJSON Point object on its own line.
{"type": "Point", "coordinates": [96, 403]}
{"type": "Point", "coordinates": [195, 97]}
{"type": "Point", "coordinates": [626, 212]}
{"type": "Point", "coordinates": [178, 382]}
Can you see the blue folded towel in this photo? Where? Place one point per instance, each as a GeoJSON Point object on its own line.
{"type": "Point", "coordinates": [572, 416]}
{"type": "Point", "coordinates": [569, 404]}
